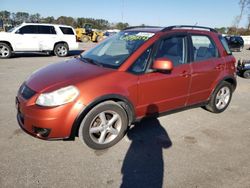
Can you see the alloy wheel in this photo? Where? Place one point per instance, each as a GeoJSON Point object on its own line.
{"type": "Point", "coordinates": [105, 127]}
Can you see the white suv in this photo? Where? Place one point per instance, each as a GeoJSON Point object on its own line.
{"type": "Point", "coordinates": [34, 37]}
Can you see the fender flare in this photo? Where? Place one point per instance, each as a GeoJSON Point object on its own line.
{"type": "Point", "coordinates": [123, 101]}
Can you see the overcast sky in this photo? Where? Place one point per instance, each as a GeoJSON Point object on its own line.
{"type": "Point", "coordinates": [213, 13]}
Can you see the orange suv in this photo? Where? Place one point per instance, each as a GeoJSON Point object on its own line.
{"type": "Point", "coordinates": [141, 71]}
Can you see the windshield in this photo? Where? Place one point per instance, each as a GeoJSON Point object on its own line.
{"type": "Point", "coordinates": [12, 29]}
{"type": "Point", "coordinates": [116, 49]}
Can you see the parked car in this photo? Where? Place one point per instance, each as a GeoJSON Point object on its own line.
{"type": "Point", "coordinates": [243, 68]}
{"type": "Point", "coordinates": [34, 37]}
{"type": "Point", "coordinates": [139, 72]}
{"type": "Point", "coordinates": [111, 32]}
{"type": "Point", "coordinates": [235, 43]}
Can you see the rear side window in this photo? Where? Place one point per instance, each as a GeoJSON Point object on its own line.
{"type": "Point", "coordinates": [42, 29]}
{"type": "Point", "coordinates": [28, 29]}
{"type": "Point", "coordinates": [225, 45]}
{"type": "Point", "coordinates": [173, 48]}
{"type": "Point", "coordinates": [67, 30]}
{"type": "Point", "coordinates": [203, 48]}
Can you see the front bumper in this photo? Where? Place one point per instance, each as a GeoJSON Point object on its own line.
{"type": "Point", "coordinates": [57, 120]}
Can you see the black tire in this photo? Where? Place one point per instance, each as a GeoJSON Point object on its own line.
{"type": "Point", "coordinates": [93, 122]}
{"type": "Point", "coordinates": [5, 50]}
{"type": "Point", "coordinates": [85, 38]}
{"type": "Point", "coordinates": [99, 38]}
{"type": "Point", "coordinates": [61, 50]}
{"type": "Point", "coordinates": [214, 101]}
{"type": "Point", "coordinates": [246, 74]}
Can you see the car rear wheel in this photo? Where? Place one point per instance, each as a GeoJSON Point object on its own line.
{"type": "Point", "coordinates": [99, 38]}
{"type": "Point", "coordinates": [220, 98]}
{"type": "Point", "coordinates": [5, 50]}
{"type": "Point", "coordinates": [85, 38]}
{"type": "Point", "coordinates": [104, 125]}
{"type": "Point", "coordinates": [61, 50]}
{"type": "Point", "coordinates": [246, 74]}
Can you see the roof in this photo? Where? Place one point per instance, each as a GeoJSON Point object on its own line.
{"type": "Point", "coordinates": [46, 24]}
{"type": "Point", "coordinates": [151, 29]}
{"type": "Point", "coordinates": [155, 29]}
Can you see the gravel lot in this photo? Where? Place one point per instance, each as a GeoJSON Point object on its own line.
{"type": "Point", "coordinates": [191, 148]}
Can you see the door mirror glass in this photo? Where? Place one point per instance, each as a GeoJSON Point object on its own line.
{"type": "Point", "coordinates": [163, 64]}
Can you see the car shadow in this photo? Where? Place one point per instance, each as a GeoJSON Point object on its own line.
{"type": "Point", "coordinates": [143, 164]}
{"type": "Point", "coordinates": [44, 54]}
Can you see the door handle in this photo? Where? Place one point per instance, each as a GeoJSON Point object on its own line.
{"type": "Point", "coordinates": [219, 67]}
{"type": "Point", "coordinates": [185, 74]}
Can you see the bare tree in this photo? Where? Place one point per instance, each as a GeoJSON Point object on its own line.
{"type": "Point", "coordinates": [244, 4]}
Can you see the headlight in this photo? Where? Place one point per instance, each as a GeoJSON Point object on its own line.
{"type": "Point", "coordinates": [58, 97]}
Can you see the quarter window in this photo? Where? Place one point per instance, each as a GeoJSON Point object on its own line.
{"type": "Point", "coordinates": [203, 48]}
{"type": "Point", "coordinates": [67, 30]}
{"type": "Point", "coordinates": [173, 48]}
{"type": "Point", "coordinates": [225, 44]}
{"type": "Point", "coordinates": [140, 64]}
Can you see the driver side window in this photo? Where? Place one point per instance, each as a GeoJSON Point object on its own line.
{"type": "Point", "coordinates": [173, 48]}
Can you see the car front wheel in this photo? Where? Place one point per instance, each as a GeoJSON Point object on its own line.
{"type": "Point", "coordinates": [5, 50]}
{"type": "Point", "coordinates": [220, 98]}
{"type": "Point", "coordinates": [104, 125]}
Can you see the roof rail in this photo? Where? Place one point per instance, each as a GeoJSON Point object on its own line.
{"type": "Point", "coordinates": [188, 26]}
{"type": "Point", "coordinates": [142, 26]}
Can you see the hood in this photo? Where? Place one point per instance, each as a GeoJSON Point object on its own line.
{"type": "Point", "coordinates": [65, 73]}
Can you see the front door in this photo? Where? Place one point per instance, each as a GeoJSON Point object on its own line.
{"type": "Point", "coordinates": [166, 91]}
{"type": "Point", "coordinates": [26, 38]}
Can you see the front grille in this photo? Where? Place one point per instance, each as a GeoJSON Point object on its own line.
{"type": "Point", "coordinates": [26, 92]}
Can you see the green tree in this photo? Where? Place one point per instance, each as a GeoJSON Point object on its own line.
{"type": "Point", "coordinates": [22, 17]}
{"type": "Point", "coordinates": [121, 25]}
{"type": "Point", "coordinates": [35, 18]}
{"type": "Point", "coordinates": [49, 19]}
{"type": "Point", "coordinates": [66, 20]}
{"type": "Point", "coordinates": [5, 16]}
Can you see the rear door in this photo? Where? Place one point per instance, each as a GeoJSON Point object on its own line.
{"type": "Point", "coordinates": [206, 66]}
{"type": "Point", "coordinates": [166, 91]}
{"type": "Point", "coordinates": [47, 37]}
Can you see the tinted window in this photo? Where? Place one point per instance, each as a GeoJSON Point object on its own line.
{"type": "Point", "coordinates": [28, 29]}
{"type": "Point", "coordinates": [225, 45]}
{"type": "Point", "coordinates": [203, 48]}
{"type": "Point", "coordinates": [46, 29]}
{"type": "Point", "coordinates": [140, 64]}
{"type": "Point", "coordinates": [173, 48]}
{"type": "Point", "coordinates": [67, 31]}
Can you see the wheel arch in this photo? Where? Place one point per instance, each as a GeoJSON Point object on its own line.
{"type": "Point", "coordinates": [123, 101]}
{"type": "Point", "coordinates": [229, 79]}
{"type": "Point", "coordinates": [59, 42]}
{"type": "Point", "coordinates": [6, 42]}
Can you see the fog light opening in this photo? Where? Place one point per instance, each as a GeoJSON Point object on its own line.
{"type": "Point", "coordinates": [41, 132]}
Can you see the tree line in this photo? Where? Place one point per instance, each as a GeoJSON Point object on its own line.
{"type": "Point", "coordinates": [11, 18]}
{"type": "Point", "coordinates": [102, 24]}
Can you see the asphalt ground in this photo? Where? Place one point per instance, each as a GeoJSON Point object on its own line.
{"type": "Point", "coordinates": [191, 148]}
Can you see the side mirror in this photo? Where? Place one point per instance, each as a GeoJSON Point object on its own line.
{"type": "Point", "coordinates": [163, 64]}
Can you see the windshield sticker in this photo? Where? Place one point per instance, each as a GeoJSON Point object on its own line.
{"type": "Point", "coordinates": [144, 34]}
{"type": "Point", "coordinates": [139, 36]}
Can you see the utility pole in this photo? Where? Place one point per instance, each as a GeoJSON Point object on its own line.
{"type": "Point", "coordinates": [122, 11]}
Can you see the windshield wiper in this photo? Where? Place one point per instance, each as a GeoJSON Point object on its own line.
{"type": "Point", "coordinates": [91, 61]}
